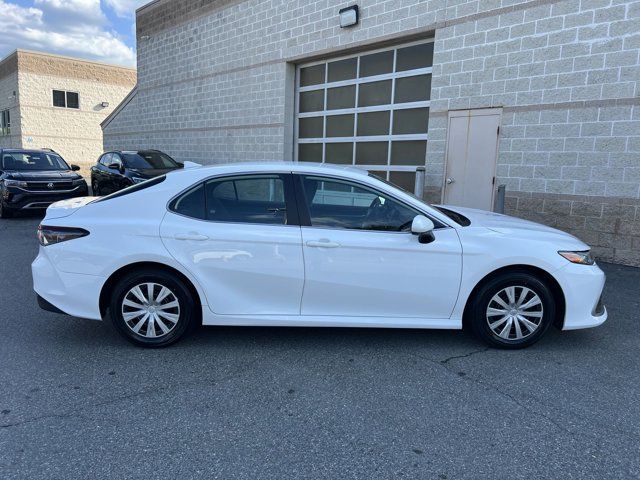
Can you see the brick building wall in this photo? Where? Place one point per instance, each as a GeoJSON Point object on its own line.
{"type": "Point", "coordinates": [216, 83]}
{"type": "Point", "coordinates": [9, 101]}
{"type": "Point", "coordinates": [74, 133]}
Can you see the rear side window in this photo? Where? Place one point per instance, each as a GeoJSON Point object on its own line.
{"type": "Point", "coordinates": [133, 188]}
{"type": "Point", "coordinates": [248, 199]}
{"type": "Point", "coordinates": [190, 204]}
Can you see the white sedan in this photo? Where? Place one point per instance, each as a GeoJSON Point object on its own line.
{"type": "Point", "coordinates": [294, 244]}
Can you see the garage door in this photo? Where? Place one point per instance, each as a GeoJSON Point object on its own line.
{"type": "Point", "coordinates": [370, 110]}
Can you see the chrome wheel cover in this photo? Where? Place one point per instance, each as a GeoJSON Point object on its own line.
{"type": "Point", "coordinates": [150, 310]}
{"type": "Point", "coordinates": [514, 313]}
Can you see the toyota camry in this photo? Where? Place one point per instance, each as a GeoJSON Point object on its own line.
{"type": "Point", "coordinates": [294, 244]}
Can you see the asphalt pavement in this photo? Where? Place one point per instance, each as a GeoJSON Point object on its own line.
{"type": "Point", "coordinates": [78, 402]}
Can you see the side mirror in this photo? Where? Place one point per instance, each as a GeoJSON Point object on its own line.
{"type": "Point", "coordinates": [75, 168]}
{"type": "Point", "coordinates": [116, 166]}
{"type": "Point", "coordinates": [423, 227]}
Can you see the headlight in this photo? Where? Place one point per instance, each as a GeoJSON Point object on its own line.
{"type": "Point", "coordinates": [50, 235]}
{"type": "Point", "coordinates": [583, 258]}
{"type": "Point", "coordinates": [15, 183]}
{"type": "Point", "coordinates": [79, 181]}
{"type": "Point", "coordinates": [138, 179]}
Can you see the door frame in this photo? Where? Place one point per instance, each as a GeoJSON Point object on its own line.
{"type": "Point", "coordinates": [471, 112]}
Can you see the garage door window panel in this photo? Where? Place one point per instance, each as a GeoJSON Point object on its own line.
{"type": "Point", "coordinates": [371, 102]}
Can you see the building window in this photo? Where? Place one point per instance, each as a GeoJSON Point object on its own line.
{"type": "Point", "coordinates": [66, 99]}
{"type": "Point", "coordinates": [370, 110]}
{"type": "Point", "coordinates": [5, 123]}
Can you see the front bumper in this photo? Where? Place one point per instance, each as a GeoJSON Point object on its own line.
{"type": "Point", "coordinates": [75, 294]}
{"type": "Point", "coordinates": [582, 286]}
{"type": "Point", "coordinates": [14, 198]}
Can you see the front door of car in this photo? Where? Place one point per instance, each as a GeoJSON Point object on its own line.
{"type": "Point", "coordinates": [118, 179]}
{"type": "Point", "coordinates": [362, 260]}
{"type": "Point", "coordinates": [101, 174]}
{"type": "Point", "coordinates": [239, 237]}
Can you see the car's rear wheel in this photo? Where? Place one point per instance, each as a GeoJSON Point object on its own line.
{"type": "Point", "coordinates": [152, 308]}
{"type": "Point", "coordinates": [512, 310]}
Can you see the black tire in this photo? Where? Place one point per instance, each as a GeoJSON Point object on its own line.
{"type": "Point", "coordinates": [4, 211]}
{"type": "Point", "coordinates": [185, 312]}
{"type": "Point", "coordinates": [544, 312]}
{"type": "Point", "coordinates": [95, 189]}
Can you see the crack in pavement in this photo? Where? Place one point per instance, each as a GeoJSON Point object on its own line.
{"type": "Point", "coordinates": [512, 398]}
{"type": "Point", "coordinates": [466, 355]}
{"type": "Point", "coordinates": [443, 364]}
{"type": "Point", "coordinates": [130, 396]}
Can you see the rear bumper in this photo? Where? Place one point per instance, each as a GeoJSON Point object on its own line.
{"type": "Point", "coordinates": [582, 286]}
{"type": "Point", "coordinates": [44, 305]}
{"type": "Point", "coordinates": [71, 293]}
{"type": "Point", "coordinates": [19, 199]}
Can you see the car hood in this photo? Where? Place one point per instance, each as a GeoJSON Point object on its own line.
{"type": "Point", "coordinates": [43, 175]}
{"type": "Point", "coordinates": [516, 226]}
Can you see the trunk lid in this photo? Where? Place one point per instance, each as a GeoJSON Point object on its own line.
{"type": "Point", "coordinates": [64, 208]}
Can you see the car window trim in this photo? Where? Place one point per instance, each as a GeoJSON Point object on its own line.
{"type": "Point", "coordinates": [305, 215]}
{"type": "Point", "coordinates": [292, 211]}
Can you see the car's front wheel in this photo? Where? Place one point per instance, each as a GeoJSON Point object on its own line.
{"type": "Point", "coordinates": [152, 308]}
{"type": "Point", "coordinates": [512, 310]}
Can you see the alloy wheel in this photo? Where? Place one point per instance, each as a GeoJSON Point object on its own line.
{"type": "Point", "coordinates": [514, 313]}
{"type": "Point", "coordinates": [150, 310]}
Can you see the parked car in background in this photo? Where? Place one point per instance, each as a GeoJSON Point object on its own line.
{"type": "Point", "coordinates": [34, 179]}
{"type": "Point", "coordinates": [295, 244]}
{"type": "Point", "coordinates": [120, 169]}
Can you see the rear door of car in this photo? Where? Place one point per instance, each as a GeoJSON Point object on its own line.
{"type": "Point", "coordinates": [240, 237]}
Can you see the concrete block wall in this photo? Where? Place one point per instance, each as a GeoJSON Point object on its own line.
{"type": "Point", "coordinates": [75, 134]}
{"type": "Point", "coordinates": [568, 76]}
{"type": "Point", "coordinates": [9, 85]}
{"type": "Point", "coordinates": [216, 84]}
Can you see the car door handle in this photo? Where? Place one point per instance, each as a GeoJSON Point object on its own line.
{"type": "Point", "coordinates": [190, 236]}
{"type": "Point", "coordinates": [322, 244]}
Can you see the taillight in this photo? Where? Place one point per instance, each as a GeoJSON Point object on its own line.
{"type": "Point", "coordinates": [49, 235]}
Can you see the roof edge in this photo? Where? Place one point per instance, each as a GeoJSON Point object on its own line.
{"type": "Point", "coordinates": [18, 51]}
{"type": "Point", "coordinates": [125, 101]}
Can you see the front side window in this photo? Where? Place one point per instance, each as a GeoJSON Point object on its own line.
{"type": "Point", "coordinates": [33, 161]}
{"type": "Point", "coordinates": [334, 203]}
{"type": "Point", "coordinates": [249, 199]}
{"type": "Point", "coordinates": [64, 99]}
{"type": "Point", "coordinates": [106, 159]}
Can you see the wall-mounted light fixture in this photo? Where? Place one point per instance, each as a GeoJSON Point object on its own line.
{"type": "Point", "coordinates": [145, 37]}
{"type": "Point", "coordinates": [349, 16]}
{"type": "Point", "coordinates": [104, 104]}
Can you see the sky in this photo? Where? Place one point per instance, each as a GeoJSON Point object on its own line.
{"type": "Point", "coordinates": [102, 30]}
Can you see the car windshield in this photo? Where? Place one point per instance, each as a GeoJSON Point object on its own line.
{"type": "Point", "coordinates": [149, 160]}
{"type": "Point", "coordinates": [33, 161]}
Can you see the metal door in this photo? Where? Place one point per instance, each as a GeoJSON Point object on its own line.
{"type": "Point", "coordinates": [472, 149]}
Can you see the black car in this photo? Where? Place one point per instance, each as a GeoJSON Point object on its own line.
{"type": "Point", "coordinates": [119, 169]}
{"type": "Point", "coordinates": [34, 179]}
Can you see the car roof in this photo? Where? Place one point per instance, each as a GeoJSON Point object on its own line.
{"type": "Point", "coordinates": [27, 150]}
{"type": "Point", "coordinates": [273, 166]}
{"type": "Point", "coordinates": [134, 151]}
